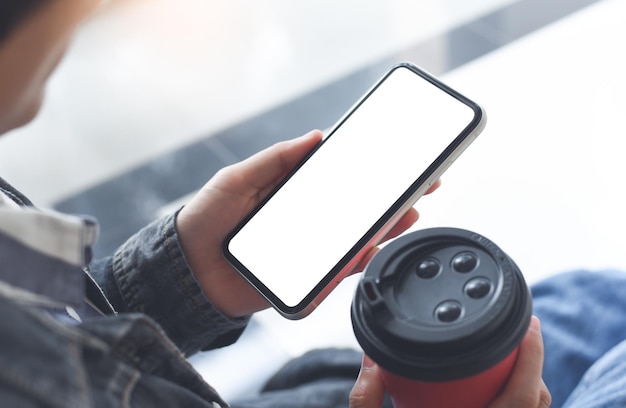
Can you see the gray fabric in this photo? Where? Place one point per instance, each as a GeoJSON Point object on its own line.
{"type": "Point", "coordinates": [56, 347]}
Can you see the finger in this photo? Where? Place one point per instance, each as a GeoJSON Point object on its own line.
{"type": "Point", "coordinates": [408, 219]}
{"type": "Point", "coordinates": [434, 187]}
{"type": "Point", "coordinates": [529, 363]}
{"type": "Point", "coordinates": [368, 390]}
{"type": "Point", "coordinates": [262, 170]}
{"type": "Point", "coordinates": [525, 388]}
{"type": "Point", "coordinates": [365, 260]}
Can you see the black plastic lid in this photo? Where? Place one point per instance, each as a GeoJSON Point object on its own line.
{"type": "Point", "coordinates": [440, 304]}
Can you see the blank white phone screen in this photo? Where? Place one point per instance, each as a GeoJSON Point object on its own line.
{"type": "Point", "coordinates": [356, 175]}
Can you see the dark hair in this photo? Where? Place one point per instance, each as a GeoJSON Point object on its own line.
{"type": "Point", "coordinates": [12, 12]}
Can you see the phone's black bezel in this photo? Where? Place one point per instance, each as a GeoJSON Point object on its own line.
{"type": "Point", "coordinates": [296, 310]}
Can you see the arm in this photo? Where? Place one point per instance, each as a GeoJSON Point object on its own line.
{"type": "Point", "coordinates": [149, 274]}
{"type": "Point", "coordinates": [223, 202]}
{"type": "Point", "coordinates": [174, 270]}
{"type": "Point", "coordinates": [231, 194]}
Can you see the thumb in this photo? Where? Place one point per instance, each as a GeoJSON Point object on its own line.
{"type": "Point", "coordinates": [368, 390]}
{"type": "Point", "coordinates": [265, 168]}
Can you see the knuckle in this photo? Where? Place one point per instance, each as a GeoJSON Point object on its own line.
{"type": "Point", "coordinates": [545, 399]}
{"type": "Point", "coordinates": [357, 399]}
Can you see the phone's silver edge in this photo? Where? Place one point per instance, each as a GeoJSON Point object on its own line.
{"type": "Point", "coordinates": [348, 269]}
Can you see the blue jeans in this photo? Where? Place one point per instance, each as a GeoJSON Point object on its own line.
{"type": "Point", "coordinates": [583, 317]}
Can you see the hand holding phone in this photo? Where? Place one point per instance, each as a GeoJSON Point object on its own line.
{"type": "Point", "coordinates": [204, 222]}
{"type": "Point", "coordinates": [347, 194]}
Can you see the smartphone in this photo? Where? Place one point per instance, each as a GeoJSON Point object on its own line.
{"type": "Point", "coordinates": [369, 169]}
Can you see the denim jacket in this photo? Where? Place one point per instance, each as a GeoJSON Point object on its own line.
{"type": "Point", "coordinates": [108, 333]}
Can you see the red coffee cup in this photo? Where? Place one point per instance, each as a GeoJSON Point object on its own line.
{"type": "Point", "coordinates": [442, 312]}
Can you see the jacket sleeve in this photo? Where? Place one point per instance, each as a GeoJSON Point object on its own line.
{"type": "Point", "coordinates": [149, 274]}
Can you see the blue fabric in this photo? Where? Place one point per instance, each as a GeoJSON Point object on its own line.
{"type": "Point", "coordinates": [52, 355]}
{"type": "Point", "coordinates": [59, 280]}
{"type": "Point", "coordinates": [149, 274]}
{"type": "Point", "coordinates": [604, 384]}
{"type": "Point", "coordinates": [583, 317]}
{"type": "Point", "coordinates": [109, 362]}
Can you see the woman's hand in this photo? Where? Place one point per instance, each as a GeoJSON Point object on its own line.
{"type": "Point", "coordinates": [368, 390]}
{"type": "Point", "coordinates": [525, 388]}
{"type": "Point", "coordinates": [223, 202]}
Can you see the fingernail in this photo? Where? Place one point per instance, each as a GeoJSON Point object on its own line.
{"type": "Point", "coordinates": [535, 324]}
{"type": "Point", "coordinates": [304, 136]}
{"type": "Point", "coordinates": [367, 362]}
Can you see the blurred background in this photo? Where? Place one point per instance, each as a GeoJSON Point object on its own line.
{"type": "Point", "coordinates": [155, 96]}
